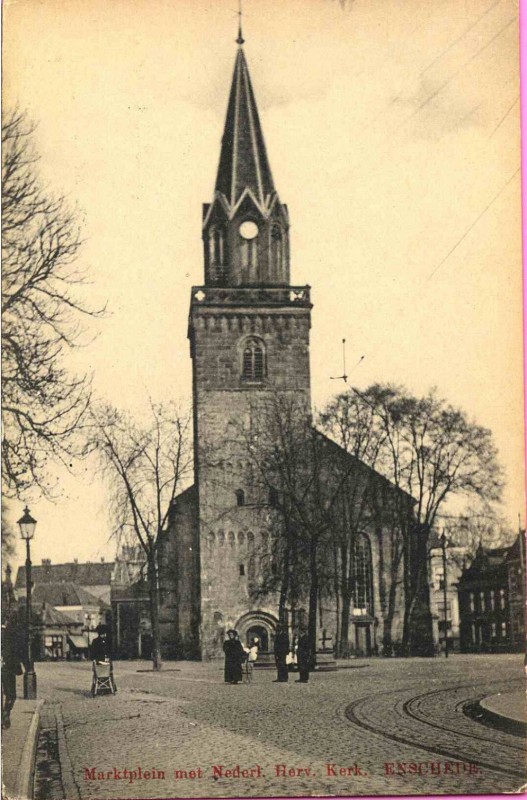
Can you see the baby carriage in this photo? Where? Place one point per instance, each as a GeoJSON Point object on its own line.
{"type": "Point", "coordinates": [102, 678]}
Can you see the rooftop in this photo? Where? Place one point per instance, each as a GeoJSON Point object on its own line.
{"type": "Point", "coordinates": [97, 573]}
{"type": "Point", "coordinates": [65, 594]}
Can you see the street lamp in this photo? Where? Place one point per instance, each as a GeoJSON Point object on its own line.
{"type": "Point", "coordinates": [27, 526]}
{"type": "Point", "coordinates": [445, 612]}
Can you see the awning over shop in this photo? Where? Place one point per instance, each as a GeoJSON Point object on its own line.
{"type": "Point", "coordinates": [79, 642]}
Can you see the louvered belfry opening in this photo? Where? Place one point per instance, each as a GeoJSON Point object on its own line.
{"type": "Point", "coordinates": [253, 368]}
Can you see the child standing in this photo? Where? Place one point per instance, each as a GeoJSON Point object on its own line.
{"type": "Point", "coordinates": [252, 655]}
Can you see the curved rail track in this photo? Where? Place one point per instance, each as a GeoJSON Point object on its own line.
{"type": "Point", "coordinates": [435, 722]}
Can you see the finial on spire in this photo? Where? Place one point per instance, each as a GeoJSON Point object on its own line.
{"type": "Point", "coordinates": [240, 40]}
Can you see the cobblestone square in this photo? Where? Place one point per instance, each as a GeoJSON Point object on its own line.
{"type": "Point", "coordinates": [374, 727]}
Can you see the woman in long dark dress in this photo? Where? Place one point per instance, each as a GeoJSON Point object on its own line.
{"type": "Point", "coordinates": [234, 657]}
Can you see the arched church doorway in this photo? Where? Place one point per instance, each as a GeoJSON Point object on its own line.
{"type": "Point", "coordinates": [261, 634]}
{"type": "Point", "coordinates": [258, 624]}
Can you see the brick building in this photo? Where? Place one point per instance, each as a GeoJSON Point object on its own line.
{"type": "Point", "coordinates": [249, 331]}
{"type": "Point", "coordinates": [492, 600]}
{"type": "Point", "coordinates": [515, 562]}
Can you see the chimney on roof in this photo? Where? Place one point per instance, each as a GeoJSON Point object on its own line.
{"type": "Point", "coordinates": [102, 559]}
{"type": "Point", "coordinates": [46, 562]}
{"type": "Point", "coordinates": [75, 560]}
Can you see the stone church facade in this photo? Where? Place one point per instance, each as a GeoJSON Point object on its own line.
{"type": "Point", "coordinates": [249, 331]}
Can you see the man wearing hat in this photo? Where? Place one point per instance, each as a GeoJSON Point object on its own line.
{"type": "Point", "coordinates": [234, 657]}
{"type": "Point", "coordinates": [100, 647]}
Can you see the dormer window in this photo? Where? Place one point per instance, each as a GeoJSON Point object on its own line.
{"type": "Point", "coordinates": [254, 365]}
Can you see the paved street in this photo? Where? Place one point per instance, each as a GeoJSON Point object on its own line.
{"type": "Point", "coordinates": [379, 727]}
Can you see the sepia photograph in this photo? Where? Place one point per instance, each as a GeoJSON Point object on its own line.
{"type": "Point", "coordinates": [262, 399]}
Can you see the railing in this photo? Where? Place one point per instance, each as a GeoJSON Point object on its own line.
{"type": "Point", "coordinates": [251, 295]}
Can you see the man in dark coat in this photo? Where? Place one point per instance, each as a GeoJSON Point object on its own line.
{"type": "Point", "coordinates": [234, 657]}
{"type": "Point", "coordinates": [12, 660]}
{"type": "Point", "coordinates": [100, 647]}
{"type": "Point", "coordinates": [303, 657]}
{"type": "Point", "coordinates": [281, 649]}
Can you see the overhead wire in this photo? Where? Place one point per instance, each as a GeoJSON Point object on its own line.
{"type": "Point", "coordinates": [502, 120]}
{"type": "Point", "coordinates": [423, 287]}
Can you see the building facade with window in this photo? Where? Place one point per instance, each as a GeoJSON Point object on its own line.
{"type": "Point", "coordinates": [249, 330]}
{"type": "Point", "coordinates": [445, 617]}
{"type": "Point", "coordinates": [491, 605]}
{"type": "Point", "coordinates": [515, 562]}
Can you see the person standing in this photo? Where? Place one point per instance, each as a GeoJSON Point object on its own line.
{"type": "Point", "coordinates": [12, 660]}
{"type": "Point", "coordinates": [100, 647]}
{"type": "Point", "coordinates": [303, 657]}
{"type": "Point", "coordinates": [252, 655]}
{"type": "Point", "coordinates": [234, 657]}
{"type": "Point", "coordinates": [281, 649]}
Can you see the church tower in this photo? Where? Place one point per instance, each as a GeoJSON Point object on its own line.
{"type": "Point", "coordinates": [249, 337]}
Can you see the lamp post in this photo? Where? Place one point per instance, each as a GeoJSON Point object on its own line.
{"type": "Point", "coordinates": [445, 612]}
{"type": "Point", "coordinates": [27, 527]}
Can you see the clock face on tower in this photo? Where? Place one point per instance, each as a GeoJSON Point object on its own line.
{"type": "Point", "coordinates": [248, 229]}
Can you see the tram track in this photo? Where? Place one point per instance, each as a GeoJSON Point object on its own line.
{"type": "Point", "coordinates": [412, 709]}
{"type": "Point", "coordinates": [473, 746]}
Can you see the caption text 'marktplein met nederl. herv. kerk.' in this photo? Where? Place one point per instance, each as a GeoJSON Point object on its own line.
{"type": "Point", "coordinates": [238, 772]}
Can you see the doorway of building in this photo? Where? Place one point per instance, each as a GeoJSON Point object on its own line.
{"type": "Point", "coordinates": [363, 639]}
{"type": "Point", "coordinates": [145, 646]}
{"type": "Point", "coordinates": [260, 633]}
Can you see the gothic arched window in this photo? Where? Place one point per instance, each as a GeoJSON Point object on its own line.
{"type": "Point", "coordinates": [216, 245]}
{"type": "Point", "coordinates": [254, 365]}
{"type": "Point", "coordinates": [277, 249]}
{"type": "Point", "coordinates": [240, 497]}
{"type": "Point", "coordinates": [217, 251]}
{"type": "Point", "coordinates": [363, 573]}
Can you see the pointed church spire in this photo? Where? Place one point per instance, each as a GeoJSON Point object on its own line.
{"type": "Point", "coordinates": [240, 40]}
{"type": "Point", "coordinates": [243, 160]}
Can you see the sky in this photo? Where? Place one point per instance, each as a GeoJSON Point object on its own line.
{"type": "Point", "coordinates": [392, 129]}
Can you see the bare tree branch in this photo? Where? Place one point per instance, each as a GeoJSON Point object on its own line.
{"type": "Point", "coordinates": [43, 406]}
{"type": "Point", "coordinates": [146, 466]}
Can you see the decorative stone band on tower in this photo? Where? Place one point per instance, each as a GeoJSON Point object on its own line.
{"type": "Point", "coordinates": [259, 296]}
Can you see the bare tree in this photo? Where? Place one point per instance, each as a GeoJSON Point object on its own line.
{"type": "Point", "coordinates": [472, 528]}
{"type": "Point", "coordinates": [305, 476]}
{"type": "Point", "coordinates": [146, 466]}
{"type": "Point", "coordinates": [42, 405]}
{"type": "Point", "coordinates": [432, 451]}
{"type": "Point", "coordinates": [353, 425]}
{"type": "Point", "coordinates": [8, 536]}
